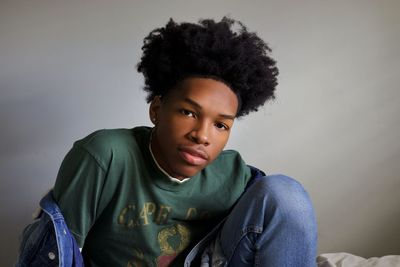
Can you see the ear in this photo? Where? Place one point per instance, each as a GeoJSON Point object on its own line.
{"type": "Point", "coordinates": [154, 109]}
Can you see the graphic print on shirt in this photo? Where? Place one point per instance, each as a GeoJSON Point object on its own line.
{"type": "Point", "coordinates": [159, 213]}
{"type": "Point", "coordinates": [139, 259]}
{"type": "Point", "coordinates": [171, 240]}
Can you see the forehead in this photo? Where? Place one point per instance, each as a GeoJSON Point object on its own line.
{"type": "Point", "coordinates": [210, 94]}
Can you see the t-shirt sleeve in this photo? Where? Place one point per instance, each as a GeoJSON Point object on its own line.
{"type": "Point", "coordinates": [78, 191]}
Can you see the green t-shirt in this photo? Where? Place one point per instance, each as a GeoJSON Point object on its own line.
{"type": "Point", "coordinates": [124, 211]}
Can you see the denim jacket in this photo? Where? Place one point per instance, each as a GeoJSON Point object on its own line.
{"type": "Point", "coordinates": [48, 242]}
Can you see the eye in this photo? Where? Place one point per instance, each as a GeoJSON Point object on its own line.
{"type": "Point", "coordinates": [188, 113]}
{"type": "Point", "coordinates": [221, 126]}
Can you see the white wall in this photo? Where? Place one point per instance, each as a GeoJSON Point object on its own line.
{"type": "Point", "coordinates": [67, 68]}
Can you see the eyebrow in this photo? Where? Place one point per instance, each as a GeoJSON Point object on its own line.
{"type": "Point", "coordinates": [194, 103]}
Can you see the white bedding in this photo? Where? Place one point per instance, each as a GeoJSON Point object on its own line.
{"type": "Point", "coordinates": [348, 260]}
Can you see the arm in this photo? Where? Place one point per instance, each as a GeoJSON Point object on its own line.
{"type": "Point", "coordinates": [78, 189]}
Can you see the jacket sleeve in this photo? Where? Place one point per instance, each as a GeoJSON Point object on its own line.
{"type": "Point", "coordinates": [47, 241]}
{"type": "Point", "coordinates": [38, 245]}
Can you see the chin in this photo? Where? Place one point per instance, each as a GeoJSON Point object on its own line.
{"type": "Point", "coordinates": [187, 171]}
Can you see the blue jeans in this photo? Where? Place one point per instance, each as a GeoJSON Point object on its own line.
{"type": "Point", "coordinates": [273, 224]}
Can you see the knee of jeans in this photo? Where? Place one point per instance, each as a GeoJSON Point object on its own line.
{"type": "Point", "coordinates": [285, 197]}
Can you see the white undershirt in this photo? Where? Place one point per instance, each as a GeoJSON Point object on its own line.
{"type": "Point", "coordinates": [173, 179]}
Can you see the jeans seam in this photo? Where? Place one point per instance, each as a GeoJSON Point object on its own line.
{"type": "Point", "coordinates": [256, 259]}
{"type": "Point", "coordinates": [253, 228]}
{"type": "Point", "coordinates": [244, 232]}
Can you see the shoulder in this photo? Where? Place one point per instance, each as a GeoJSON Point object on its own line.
{"type": "Point", "coordinates": [107, 144]}
{"type": "Point", "coordinates": [226, 177]}
{"type": "Point", "coordinates": [230, 163]}
{"type": "Point", "coordinates": [107, 138]}
{"type": "Point", "coordinates": [230, 156]}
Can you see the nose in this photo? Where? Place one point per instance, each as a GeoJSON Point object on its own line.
{"type": "Point", "coordinates": [200, 134]}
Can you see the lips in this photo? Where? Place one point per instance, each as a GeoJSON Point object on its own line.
{"type": "Point", "coordinates": [193, 155]}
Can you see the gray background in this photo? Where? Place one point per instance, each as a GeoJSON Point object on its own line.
{"type": "Point", "coordinates": [68, 68]}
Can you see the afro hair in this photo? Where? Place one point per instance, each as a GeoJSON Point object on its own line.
{"type": "Point", "coordinates": [211, 49]}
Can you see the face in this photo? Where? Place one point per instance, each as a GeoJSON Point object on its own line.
{"type": "Point", "coordinates": [192, 125]}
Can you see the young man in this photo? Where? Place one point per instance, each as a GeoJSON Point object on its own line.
{"type": "Point", "coordinates": [169, 195]}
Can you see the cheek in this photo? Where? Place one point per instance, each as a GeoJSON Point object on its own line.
{"type": "Point", "coordinates": [180, 126]}
{"type": "Point", "coordinates": [219, 144]}
{"type": "Point", "coordinates": [171, 130]}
